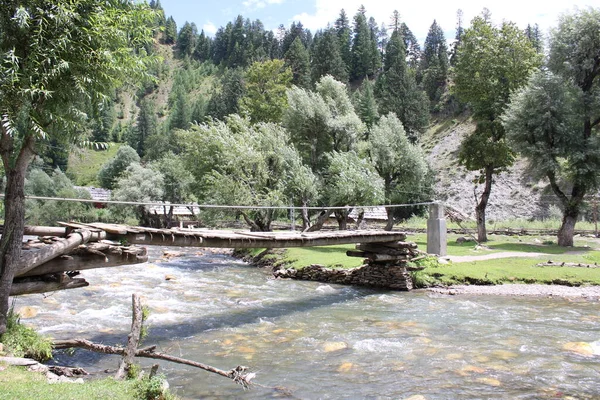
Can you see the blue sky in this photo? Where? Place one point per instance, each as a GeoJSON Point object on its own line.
{"type": "Point", "coordinates": [315, 14]}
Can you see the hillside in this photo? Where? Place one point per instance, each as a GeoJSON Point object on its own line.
{"type": "Point", "coordinates": [514, 195]}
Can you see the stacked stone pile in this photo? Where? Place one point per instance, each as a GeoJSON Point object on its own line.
{"type": "Point", "coordinates": [386, 266]}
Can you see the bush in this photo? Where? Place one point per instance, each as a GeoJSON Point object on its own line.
{"type": "Point", "coordinates": [21, 341]}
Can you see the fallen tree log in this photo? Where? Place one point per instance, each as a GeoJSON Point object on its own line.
{"type": "Point", "coordinates": [566, 264]}
{"type": "Point", "coordinates": [51, 284]}
{"type": "Point", "coordinates": [236, 374]}
{"type": "Point", "coordinates": [34, 258]}
{"type": "Point", "coordinates": [91, 256]}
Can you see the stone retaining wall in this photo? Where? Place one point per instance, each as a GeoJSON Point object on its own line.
{"type": "Point", "coordinates": [388, 276]}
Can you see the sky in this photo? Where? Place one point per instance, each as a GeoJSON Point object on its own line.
{"type": "Point", "coordinates": [419, 15]}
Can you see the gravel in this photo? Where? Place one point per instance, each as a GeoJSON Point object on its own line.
{"type": "Point", "coordinates": [535, 290]}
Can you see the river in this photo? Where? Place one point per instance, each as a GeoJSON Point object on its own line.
{"type": "Point", "coordinates": [308, 340]}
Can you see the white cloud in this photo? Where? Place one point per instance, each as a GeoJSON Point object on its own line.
{"type": "Point", "coordinates": [209, 28]}
{"type": "Point", "coordinates": [257, 4]}
{"type": "Point", "coordinates": [420, 15]}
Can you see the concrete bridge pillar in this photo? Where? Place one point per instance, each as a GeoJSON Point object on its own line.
{"type": "Point", "coordinates": [436, 230]}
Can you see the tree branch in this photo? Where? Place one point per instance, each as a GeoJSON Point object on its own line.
{"type": "Point", "coordinates": [236, 374]}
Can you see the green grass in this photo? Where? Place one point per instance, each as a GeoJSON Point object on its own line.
{"type": "Point", "coordinates": [494, 271]}
{"type": "Point", "coordinates": [84, 164]}
{"type": "Point", "coordinates": [17, 383]}
{"type": "Point", "coordinates": [328, 256]}
{"type": "Point", "coordinates": [514, 270]}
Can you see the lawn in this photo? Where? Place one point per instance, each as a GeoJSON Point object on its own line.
{"type": "Point", "coordinates": [17, 383]}
{"type": "Point", "coordinates": [491, 271]}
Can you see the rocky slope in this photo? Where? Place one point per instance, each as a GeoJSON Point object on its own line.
{"type": "Point", "coordinates": [515, 194]}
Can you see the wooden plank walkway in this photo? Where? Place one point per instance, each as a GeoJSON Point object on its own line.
{"type": "Point", "coordinates": [236, 239]}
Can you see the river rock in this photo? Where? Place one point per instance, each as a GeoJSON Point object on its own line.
{"type": "Point", "coordinates": [330, 347]}
{"type": "Point", "coordinates": [489, 381]}
{"type": "Point", "coordinates": [170, 278]}
{"type": "Point", "coordinates": [582, 348]}
{"type": "Point", "coordinates": [345, 367]}
{"type": "Point", "coordinates": [27, 312]}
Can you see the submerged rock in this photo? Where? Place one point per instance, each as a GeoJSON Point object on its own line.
{"type": "Point", "coordinates": [330, 347]}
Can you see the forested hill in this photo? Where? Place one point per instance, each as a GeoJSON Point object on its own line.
{"type": "Point", "coordinates": [359, 102]}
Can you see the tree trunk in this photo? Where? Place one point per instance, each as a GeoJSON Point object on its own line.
{"type": "Point", "coordinates": [390, 218]}
{"type": "Point", "coordinates": [305, 218]}
{"type": "Point", "coordinates": [482, 205]}
{"type": "Point", "coordinates": [321, 219]}
{"type": "Point", "coordinates": [567, 228]}
{"type": "Point", "coordinates": [14, 220]}
{"type": "Point", "coordinates": [342, 218]}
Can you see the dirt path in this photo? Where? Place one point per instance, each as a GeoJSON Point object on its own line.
{"type": "Point", "coordinates": [517, 290]}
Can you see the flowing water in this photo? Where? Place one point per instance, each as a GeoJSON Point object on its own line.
{"type": "Point", "coordinates": [308, 340]}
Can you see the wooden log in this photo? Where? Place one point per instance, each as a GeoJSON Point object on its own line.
{"type": "Point", "coordinates": [566, 264]}
{"type": "Point", "coordinates": [82, 259]}
{"type": "Point", "coordinates": [31, 287]}
{"type": "Point", "coordinates": [237, 374]}
{"type": "Point", "coordinates": [31, 259]}
{"type": "Point", "coordinates": [133, 338]}
{"type": "Point", "coordinates": [379, 249]}
{"type": "Point", "coordinates": [376, 256]}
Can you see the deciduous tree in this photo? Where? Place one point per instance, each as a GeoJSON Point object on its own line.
{"type": "Point", "coordinates": [554, 121]}
{"type": "Point", "coordinates": [492, 63]}
{"type": "Point", "coordinates": [54, 55]}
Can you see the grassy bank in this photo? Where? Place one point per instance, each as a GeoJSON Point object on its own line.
{"type": "Point", "coordinates": [473, 271]}
{"type": "Point", "coordinates": [18, 383]}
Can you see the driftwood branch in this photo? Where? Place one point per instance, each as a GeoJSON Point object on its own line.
{"type": "Point", "coordinates": [236, 374]}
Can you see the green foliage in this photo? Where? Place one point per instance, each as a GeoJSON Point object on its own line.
{"type": "Point", "coordinates": [350, 180]}
{"type": "Point", "coordinates": [137, 184]}
{"type": "Point", "coordinates": [237, 163]}
{"type": "Point", "coordinates": [266, 84]}
{"type": "Point", "coordinates": [554, 120]}
{"type": "Point", "coordinates": [84, 164]}
{"type": "Point", "coordinates": [397, 90]}
{"type": "Point", "coordinates": [322, 121]}
{"type": "Point", "coordinates": [147, 126]}
{"type": "Point", "coordinates": [112, 170]}
{"type": "Point", "coordinates": [59, 55]}
{"type": "Point", "coordinates": [48, 212]}
{"type": "Point", "coordinates": [327, 57]}
{"type": "Point", "coordinates": [153, 388]}
{"type": "Point", "coordinates": [225, 101]}
{"type": "Point", "coordinates": [434, 64]}
{"type": "Point", "coordinates": [367, 105]}
{"type": "Point", "coordinates": [401, 164]}
{"type": "Point", "coordinates": [365, 54]}
{"type": "Point", "coordinates": [297, 60]}
{"type": "Point", "coordinates": [21, 341]}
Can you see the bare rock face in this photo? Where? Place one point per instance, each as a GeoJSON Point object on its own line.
{"type": "Point", "coordinates": [514, 193]}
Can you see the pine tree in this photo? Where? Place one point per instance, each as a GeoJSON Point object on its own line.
{"type": "Point", "coordinates": [146, 126]}
{"type": "Point", "coordinates": [203, 48]}
{"type": "Point", "coordinates": [458, 38]}
{"type": "Point", "coordinates": [170, 35]}
{"type": "Point", "coordinates": [367, 105]}
{"type": "Point", "coordinates": [397, 90]}
{"type": "Point", "coordinates": [186, 41]}
{"type": "Point", "coordinates": [297, 59]}
{"type": "Point", "coordinates": [535, 37]}
{"type": "Point", "coordinates": [364, 60]}
{"type": "Point", "coordinates": [344, 35]}
{"type": "Point", "coordinates": [413, 49]}
{"type": "Point", "coordinates": [327, 58]}
{"type": "Point", "coordinates": [434, 63]}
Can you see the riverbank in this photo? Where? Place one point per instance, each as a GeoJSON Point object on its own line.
{"type": "Point", "coordinates": [522, 290]}
{"type": "Point", "coordinates": [506, 266]}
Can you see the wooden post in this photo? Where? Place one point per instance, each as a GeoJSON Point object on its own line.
{"type": "Point", "coordinates": [133, 338]}
{"type": "Point", "coordinates": [436, 230]}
